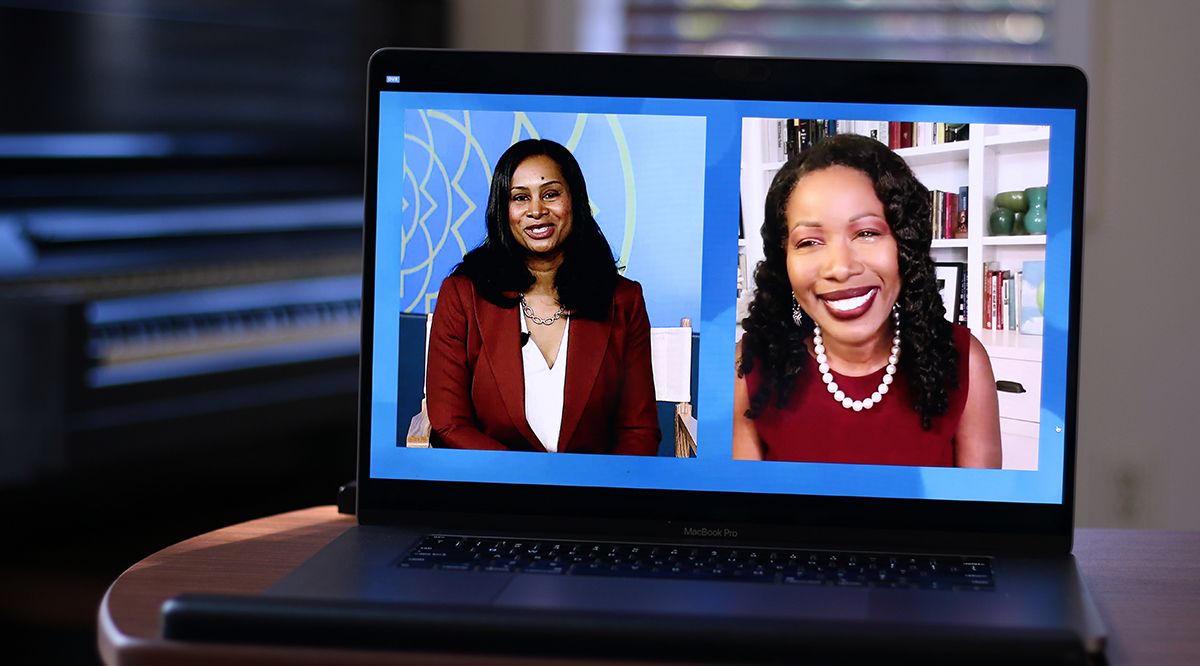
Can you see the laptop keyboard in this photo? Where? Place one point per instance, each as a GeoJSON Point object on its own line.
{"type": "Point", "coordinates": [784, 566]}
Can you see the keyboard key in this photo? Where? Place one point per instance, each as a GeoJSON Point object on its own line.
{"type": "Point", "coordinates": [786, 566]}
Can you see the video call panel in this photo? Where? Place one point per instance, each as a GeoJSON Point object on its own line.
{"type": "Point", "coordinates": [648, 178]}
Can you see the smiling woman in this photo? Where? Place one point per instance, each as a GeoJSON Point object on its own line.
{"type": "Point", "coordinates": [847, 356]}
{"type": "Point", "coordinates": [585, 385]}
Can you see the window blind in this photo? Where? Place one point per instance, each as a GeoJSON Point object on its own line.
{"type": "Point", "coordinates": [959, 30]}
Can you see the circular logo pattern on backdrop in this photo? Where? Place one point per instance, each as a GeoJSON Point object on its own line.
{"type": "Point", "coordinates": [448, 161]}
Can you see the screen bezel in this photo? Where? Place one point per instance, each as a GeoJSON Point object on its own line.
{"type": "Point", "coordinates": [775, 518]}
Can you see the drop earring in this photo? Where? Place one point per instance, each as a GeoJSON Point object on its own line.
{"type": "Point", "coordinates": [797, 313]}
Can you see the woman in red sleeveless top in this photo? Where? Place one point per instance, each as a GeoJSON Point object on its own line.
{"type": "Point", "coordinates": [847, 355]}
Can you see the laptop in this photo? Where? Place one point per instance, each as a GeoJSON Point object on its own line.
{"type": "Point", "coordinates": [679, 155]}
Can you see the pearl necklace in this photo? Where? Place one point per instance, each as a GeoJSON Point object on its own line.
{"type": "Point", "coordinates": [839, 395]}
{"type": "Point", "coordinates": [538, 320]}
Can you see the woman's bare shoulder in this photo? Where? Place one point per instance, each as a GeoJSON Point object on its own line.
{"type": "Point", "coordinates": [979, 363]}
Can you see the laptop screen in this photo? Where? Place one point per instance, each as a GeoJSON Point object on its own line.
{"type": "Point", "coordinates": [929, 246]}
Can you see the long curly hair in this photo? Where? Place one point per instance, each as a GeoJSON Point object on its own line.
{"type": "Point", "coordinates": [587, 278]}
{"type": "Point", "coordinates": [927, 354]}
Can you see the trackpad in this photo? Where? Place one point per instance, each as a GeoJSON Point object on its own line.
{"type": "Point", "coordinates": [679, 597]}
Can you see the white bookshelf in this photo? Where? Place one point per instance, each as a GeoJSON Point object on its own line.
{"type": "Point", "coordinates": [996, 158]}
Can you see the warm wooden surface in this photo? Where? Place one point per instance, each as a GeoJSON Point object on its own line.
{"type": "Point", "coordinates": [240, 559]}
{"type": "Point", "coordinates": [1147, 584]}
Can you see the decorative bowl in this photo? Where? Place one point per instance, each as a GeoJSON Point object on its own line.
{"type": "Point", "coordinates": [1016, 201]}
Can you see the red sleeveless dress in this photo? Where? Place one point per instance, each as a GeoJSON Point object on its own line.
{"type": "Point", "coordinates": [813, 427]}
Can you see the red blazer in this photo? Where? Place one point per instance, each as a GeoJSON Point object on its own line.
{"type": "Point", "coordinates": [475, 381]}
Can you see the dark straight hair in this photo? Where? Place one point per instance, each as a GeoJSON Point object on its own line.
{"type": "Point", "coordinates": [588, 275]}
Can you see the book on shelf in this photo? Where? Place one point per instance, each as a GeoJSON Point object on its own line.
{"type": "Point", "coordinates": [804, 133]}
{"type": "Point", "coordinates": [989, 295]}
{"type": "Point", "coordinates": [882, 134]}
{"type": "Point", "coordinates": [900, 134]}
{"type": "Point", "coordinates": [1009, 303]}
{"type": "Point", "coordinates": [1018, 284]}
{"type": "Point", "coordinates": [869, 128]}
{"type": "Point", "coordinates": [998, 299]}
{"type": "Point", "coordinates": [904, 134]}
{"type": "Point", "coordinates": [943, 213]}
{"type": "Point", "coordinates": [775, 146]}
{"type": "Point", "coordinates": [781, 137]}
{"type": "Point", "coordinates": [951, 279]}
{"type": "Point", "coordinates": [794, 135]}
{"type": "Point", "coordinates": [1014, 313]}
{"type": "Point", "coordinates": [987, 298]}
{"type": "Point", "coordinates": [937, 201]}
{"type": "Point", "coordinates": [960, 229]}
{"type": "Point", "coordinates": [1033, 278]}
{"type": "Point", "coordinates": [923, 134]}
{"type": "Point", "coordinates": [962, 296]}
{"type": "Point", "coordinates": [949, 214]}
{"type": "Point", "coordinates": [816, 132]}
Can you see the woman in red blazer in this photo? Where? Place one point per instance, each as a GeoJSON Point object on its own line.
{"type": "Point", "coordinates": [499, 375]}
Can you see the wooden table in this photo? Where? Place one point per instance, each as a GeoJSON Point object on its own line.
{"type": "Point", "coordinates": [1147, 584]}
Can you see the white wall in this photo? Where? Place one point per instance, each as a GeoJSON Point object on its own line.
{"type": "Point", "coordinates": [495, 25]}
{"type": "Point", "coordinates": [538, 25]}
{"type": "Point", "coordinates": [1139, 429]}
{"type": "Point", "coordinates": [1139, 407]}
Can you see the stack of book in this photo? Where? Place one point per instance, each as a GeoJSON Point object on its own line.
{"type": "Point", "coordinates": [948, 213]}
{"type": "Point", "coordinates": [1001, 298]}
{"type": "Point", "coordinates": [952, 284]}
{"type": "Point", "coordinates": [795, 135]}
{"type": "Point", "coordinates": [803, 134]}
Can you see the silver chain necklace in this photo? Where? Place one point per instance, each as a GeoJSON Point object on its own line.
{"type": "Point", "coordinates": [538, 320]}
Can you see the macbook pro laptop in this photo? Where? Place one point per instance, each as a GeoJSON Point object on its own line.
{"type": "Point", "coordinates": [696, 553]}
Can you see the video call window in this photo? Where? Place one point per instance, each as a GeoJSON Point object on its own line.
{"type": "Point", "coordinates": [832, 207]}
{"type": "Point", "coordinates": [863, 302]}
{"type": "Point", "coordinates": [559, 257]}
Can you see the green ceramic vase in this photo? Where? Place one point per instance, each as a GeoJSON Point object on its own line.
{"type": "Point", "coordinates": [1035, 219]}
{"type": "Point", "coordinates": [1016, 201]}
{"type": "Point", "coordinates": [1000, 222]}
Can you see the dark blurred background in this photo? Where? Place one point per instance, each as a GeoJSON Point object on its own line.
{"type": "Point", "coordinates": [180, 219]}
{"type": "Point", "coordinates": [180, 229]}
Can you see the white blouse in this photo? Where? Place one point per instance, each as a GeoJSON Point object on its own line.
{"type": "Point", "coordinates": [544, 388]}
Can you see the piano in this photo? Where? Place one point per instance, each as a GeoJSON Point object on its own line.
{"type": "Point", "coordinates": [180, 224]}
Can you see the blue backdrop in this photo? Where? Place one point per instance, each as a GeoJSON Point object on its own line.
{"type": "Point", "coordinates": [645, 177]}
